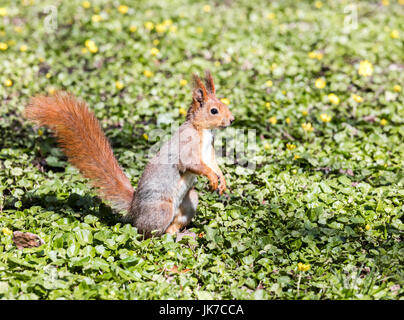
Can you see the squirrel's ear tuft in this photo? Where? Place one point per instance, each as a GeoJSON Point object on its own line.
{"type": "Point", "coordinates": [199, 93]}
{"type": "Point", "coordinates": [209, 82]}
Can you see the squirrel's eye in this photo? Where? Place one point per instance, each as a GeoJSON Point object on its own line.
{"type": "Point", "coordinates": [214, 111]}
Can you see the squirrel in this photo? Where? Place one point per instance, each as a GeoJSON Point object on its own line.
{"type": "Point", "coordinates": [165, 200]}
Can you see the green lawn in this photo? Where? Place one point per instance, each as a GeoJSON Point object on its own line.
{"type": "Point", "coordinates": [320, 216]}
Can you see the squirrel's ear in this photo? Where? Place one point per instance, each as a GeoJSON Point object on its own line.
{"type": "Point", "coordinates": [209, 82]}
{"type": "Point", "coordinates": [199, 93]}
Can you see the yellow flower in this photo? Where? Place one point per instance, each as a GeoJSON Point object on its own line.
{"type": "Point", "coordinates": [320, 83]}
{"type": "Point", "coordinates": [8, 83]}
{"type": "Point", "coordinates": [318, 4]}
{"type": "Point", "coordinates": [199, 30]}
{"type": "Point", "coordinates": [154, 51]}
{"type": "Point", "coordinates": [149, 25]}
{"type": "Point", "coordinates": [325, 117]}
{"type": "Point", "coordinates": [51, 90]}
{"type": "Point", "coordinates": [357, 98]}
{"type": "Point", "coordinates": [296, 156]}
{"type": "Point", "coordinates": [268, 105]}
{"type": "Point", "coordinates": [365, 68]}
{"type": "Point", "coordinates": [182, 111]}
{"type": "Point", "coordinates": [383, 122]}
{"type": "Point", "coordinates": [168, 22]}
{"type": "Point", "coordinates": [217, 63]}
{"type": "Point", "coordinates": [132, 28]}
{"type": "Point", "coordinates": [23, 48]}
{"type": "Point", "coordinates": [312, 55]}
{"type": "Point", "coordinates": [395, 34]}
{"type": "Point", "coordinates": [271, 16]}
{"type": "Point", "coordinates": [183, 82]}
{"type": "Point", "coordinates": [48, 75]}
{"type": "Point", "coordinates": [84, 50]}
{"type": "Point", "coordinates": [401, 2]}
{"type": "Point", "coordinates": [303, 267]}
{"type": "Point", "coordinates": [267, 146]}
{"type": "Point", "coordinates": [287, 120]}
{"type": "Point", "coordinates": [145, 136]}
{"type": "Point", "coordinates": [225, 101]}
{"type": "Point", "coordinates": [160, 28]}
{"type": "Point", "coordinates": [367, 227]}
{"type": "Point", "coordinates": [18, 29]}
{"type": "Point", "coordinates": [3, 12]}
{"type": "Point", "coordinates": [3, 46]}
{"type": "Point", "coordinates": [119, 85]}
{"type": "Point", "coordinates": [91, 46]}
{"type": "Point", "coordinates": [123, 9]}
{"type": "Point", "coordinates": [333, 98]}
{"type": "Point", "coordinates": [272, 120]}
{"type": "Point", "coordinates": [148, 73]}
{"type": "Point", "coordinates": [305, 113]}
{"type": "Point", "coordinates": [86, 4]}
{"type": "Point", "coordinates": [96, 18]}
{"type": "Point", "coordinates": [385, 2]}
{"type": "Point", "coordinates": [7, 231]}
{"type": "Point", "coordinates": [307, 127]}
{"type": "Point", "coordinates": [156, 42]}
{"type": "Point", "coordinates": [273, 66]}
{"type": "Point", "coordinates": [173, 29]}
{"type": "Point", "coordinates": [40, 132]}
{"type": "Point", "coordinates": [397, 88]}
{"type": "Point", "coordinates": [290, 146]}
{"type": "Point", "coordinates": [206, 8]}
{"type": "Point", "coordinates": [269, 83]}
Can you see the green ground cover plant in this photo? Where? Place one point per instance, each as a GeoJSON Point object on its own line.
{"type": "Point", "coordinates": [320, 82]}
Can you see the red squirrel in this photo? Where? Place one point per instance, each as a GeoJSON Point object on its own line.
{"type": "Point", "coordinates": [165, 200]}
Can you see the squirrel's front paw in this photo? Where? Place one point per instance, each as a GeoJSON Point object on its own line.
{"type": "Point", "coordinates": [213, 182]}
{"type": "Point", "coordinates": [222, 186]}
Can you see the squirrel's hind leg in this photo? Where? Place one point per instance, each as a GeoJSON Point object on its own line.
{"type": "Point", "coordinates": [186, 212]}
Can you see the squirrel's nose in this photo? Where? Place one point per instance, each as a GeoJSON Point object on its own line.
{"type": "Point", "coordinates": [231, 119]}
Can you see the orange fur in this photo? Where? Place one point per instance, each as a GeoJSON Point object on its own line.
{"type": "Point", "coordinates": [80, 136]}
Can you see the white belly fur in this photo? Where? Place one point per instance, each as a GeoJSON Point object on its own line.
{"type": "Point", "coordinates": [207, 148]}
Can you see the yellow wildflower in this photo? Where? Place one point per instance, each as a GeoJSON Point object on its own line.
{"type": "Point", "coordinates": [385, 2]}
{"type": "Point", "coordinates": [8, 83]}
{"type": "Point", "coordinates": [401, 2]}
{"type": "Point", "coordinates": [320, 83]}
{"type": "Point", "coordinates": [207, 8]}
{"type": "Point", "coordinates": [303, 267]}
{"type": "Point", "coordinates": [123, 9]}
{"type": "Point", "coordinates": [199, 30]}
{"type": "Point", "coordinates": [132, 28]}
{"type": "Point", "coordinates": [271, 16]}
{"type": "Point", "coordinates": [154, 51]}
{"type": "Point", "coordinates": [3, 12]}
{"type": "Point", "coordinates": [168, 22]}
{"type": "Point", "coordinates": [23, 48]}
{"type": "Point", "coordinates": [290, 146]}
{"type": "Point", "coordinates": [305, 113]}
{"type": "Point", "coordinates": [333, 98]}
{"type": "Point", "coordinates": [119, 85]}
{"type": "Point", "coordinates": [7, 231]}
{"type": "Point", "coordinates": [96, 18]}
{"type": "Point", "coordinates": [225, 101]}
{"type": "Point", "coordinates": [156, 42]}
{"type": "Point", "coordinates": [267, 146]}
{"type": "Point", "coordinates": [149, 25]}
{"type": "Point", "coordinates": [367, 227]}
{"type": "Point", "coordinates": [48, 75]}
{"type": "Point", "coordinates": [273, 120]}
{"type": "Point", "coordinates": [357, 98]}
{"type": "Point", "coordinates": [145, 136]}
{"type": "Point", "coordinates": [268, 105]}
{"type": "Point", "coordinates": [383, 122]}
{"type": "Point", "coordinates": [86, 4]}
{"type": "Point", "coordinates": [269, 83]}
{"type": "Point", "coordinates": [395, 34]}
{"type": "Point", "coordinates": [296, 156]}
{"type": "Point", "coordinates": [160, 28]}
{"type": "Point", "coordinates": [18, 29]}
{"type": "Point", "coordinates": [307, 127]}
{"type": "Point", "coordinates": [318, 4]}
{"type": "Point", "coordinates": [325, 117]}
{"type": "Point", "coordinates": [287, 120]}
{"type": "Point", "coordinates": [84, 50]}
{"type": "Point", "coordinates": [397, 88]}
{"type": "Point", "coordinates": [3, 46]}
{"type": "Point", "coordinates": [217, 63]}
{"type": "Point", "coordinates": [183, 82]}
{"type": "Point", "coordinates": [148, 73]}
{"type": "Point", "coordinates": [173, 29]}
{"type": "Point", "coordinates": [365, 68]}
{"type": "Point", "coordinates": [51, 90]}
{"type": "Point", "coordinates": [182, 111]}
{"type": "Point", "coordinates": [91, 46]}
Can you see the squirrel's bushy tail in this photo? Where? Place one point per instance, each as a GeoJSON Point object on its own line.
{"type": "Point", "coordinates": [80, 136]}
